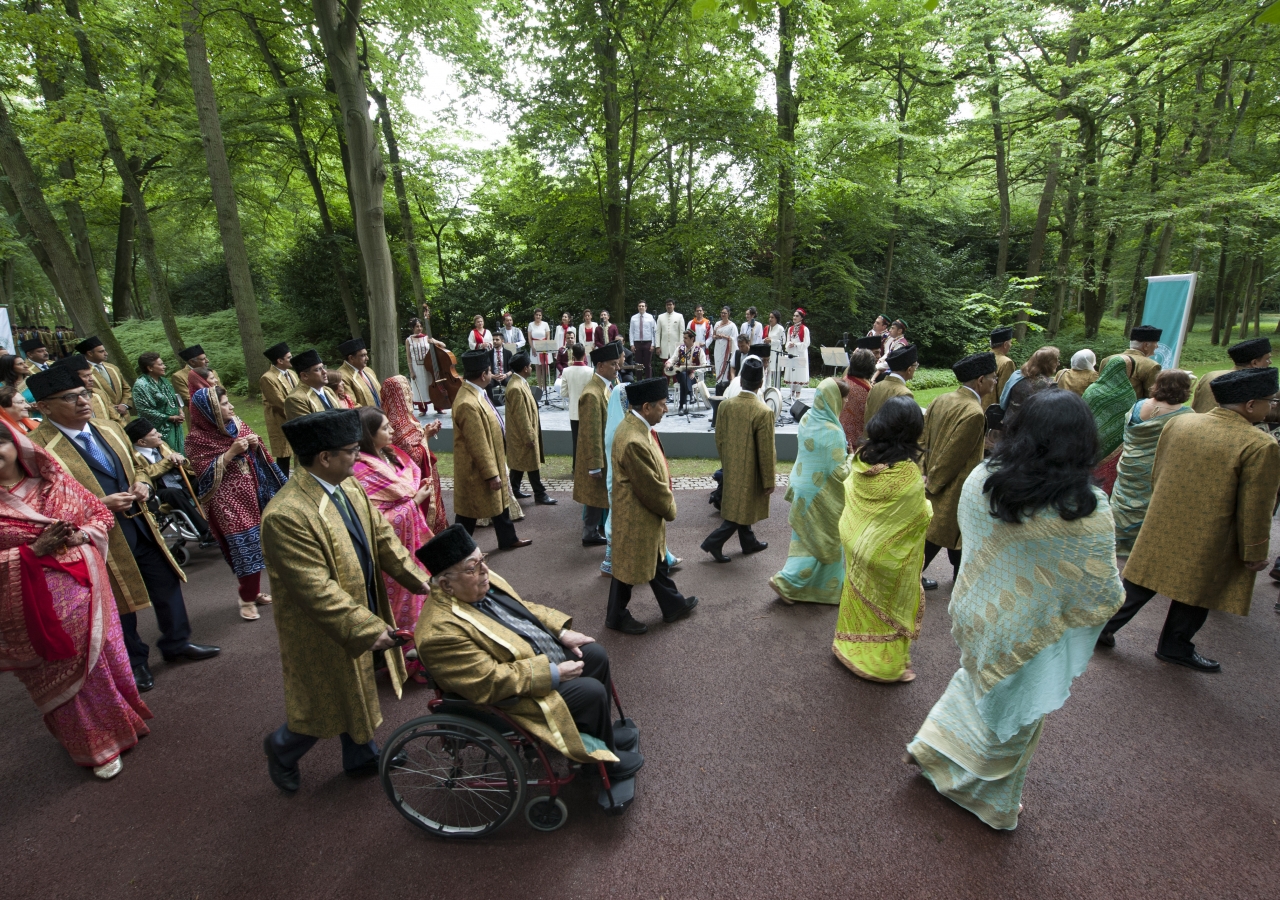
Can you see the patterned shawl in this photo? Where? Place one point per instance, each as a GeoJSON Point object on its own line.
{"type": "Point", "coordinates": [156, 400]}
{"type": "Point", "coordinates": [1132, 491]}
{"type": "Point", "coordinates": [397, 406]}
{"type": "Point", "coordinates": [816, 487]}
{"type": "Point", "coordinates": [853, 416]}
{"type": "Point", "coordinates": [1111, 397]}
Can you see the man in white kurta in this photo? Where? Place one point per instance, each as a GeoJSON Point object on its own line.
{"type": "Point", "coordinates": [670, 332]}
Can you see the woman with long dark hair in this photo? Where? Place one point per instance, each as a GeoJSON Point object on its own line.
{"type": "Point", "coordinates": [882, 530]}
{"type": "Point", "coordinates": [862, 367]}
{"type": "Point", "coordinates": [1037, 583]}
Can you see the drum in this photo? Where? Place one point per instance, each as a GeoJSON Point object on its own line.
{"type": "Point", "coordinates": [772, 398]}
{"type": "Point", "coordinates": [701, 393]}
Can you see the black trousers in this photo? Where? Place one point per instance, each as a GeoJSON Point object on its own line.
{"type": "Point", "coordinates": [717, 538]}
{"type": "Point", "coordinates": [283, 463]}
{"type": "Point", "coordinates": [686, 387]}
{"type": "Point", "coordinates": [502, 525]}
{"type": "Point", "coordinates": [573, 440]}
{"type": "Point", "coordinates": [588, 697]}
{"type": "Point", "coordinates": [669, 598]}
{"type": "Point", "coordinates": [535, 482]}
{"type": "Point", "coordinates": [291, 747]}
{"type": "Point", "coordinates": [1180, 625]}
{"type": "Point", "coordinates": [593, 522]}
{"type": "Point", "coordinates": [165, 591]}
{"type": "Point", "coordinates": [644, 357]}
{"type": "Point", "coordinates": [178, 498]}
{"type": "Point", "coordinates": [931, 550]}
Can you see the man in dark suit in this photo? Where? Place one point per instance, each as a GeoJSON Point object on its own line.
{"type": "Point", "coordinates": [500, 365]}
{"type": "Point", "coordinates": [99, 456]}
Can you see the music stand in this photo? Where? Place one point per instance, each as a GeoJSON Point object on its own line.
{"type": "Point", "coordinates": [549, 347]}
{"type": "Point", "coordinates": [836, 357]}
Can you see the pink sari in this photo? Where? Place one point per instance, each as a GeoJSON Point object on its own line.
{"type": "Point", "coordinates": [397, 405]}
{"type": "Point", "coordinates": [392, 488]}
{"type": "Point", "coordinates": [89, 701]}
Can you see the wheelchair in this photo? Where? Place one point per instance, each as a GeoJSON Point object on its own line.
{"type": "Point", "coordinates": [176, 528]}
{"type": "Point", "coordinates": [466, 770]}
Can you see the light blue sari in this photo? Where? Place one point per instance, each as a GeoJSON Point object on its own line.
{"type": "Point", "coordinates": [618, 408]}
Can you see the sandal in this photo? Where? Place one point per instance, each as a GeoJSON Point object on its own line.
{"type": "Point", "coordinates": [109, 770]}
{"type": "Point", "coordinates": [263, 600]}
{"type": "Point", "coordinates": [907, 677]}
{"type": "Point", "coordinates": [249, 611]}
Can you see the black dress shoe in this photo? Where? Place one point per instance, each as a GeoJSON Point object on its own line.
{"type": "Point", "coordinates": [627, 624]}
{"type": "Point", "coordinates": [521, 495]}
{"type": "Point", "coordinates": [142, 678]}
{"type": "Point", "coordinates": [717, 553]}
{"type": "Point", "coordinates": [629, 763]}
{"type": "Point", "coordinates": [1275, 572]}
{"type": "Point", "coordinates": [545, 500]}
{"type": "Point", "coordinates": [594, 542]}
{"type": "Point", "coordinates": [625, 737]}
{"type": "Point", "coordinates": [689, 604]}
{"type": "Point", "coordinates": [1106, 639]}
{"type": "Point", "coordinates": [1194, 661]}
{"type": "Point", "coordinates": [928, 584]}
{"type": "Point", "coordinates": [525, 542]}
{"type": "Point", "coordinates": [760, 545]}
{"type": "Point", "coordinates": [194, 652]}
{"type": "Point", "coordinates": [364, 771]}
{"type": "Point", "coordinates": [281, 775]}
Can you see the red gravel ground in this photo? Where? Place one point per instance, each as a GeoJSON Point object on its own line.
{"type": "Point", "coordinates": [772, 772]}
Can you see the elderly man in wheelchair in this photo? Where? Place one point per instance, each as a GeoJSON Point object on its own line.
{"type": "Point", "coordinates": [515, 668]}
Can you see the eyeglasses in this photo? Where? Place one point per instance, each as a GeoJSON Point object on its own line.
{"type": "Point", "coordinates": [474, 569]}
{"type": "Point", "coordinates": [75, 396]}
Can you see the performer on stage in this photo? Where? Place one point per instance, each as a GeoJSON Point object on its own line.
{"type": "Point", "coordinates": [744, 440]}
{"type": "Point", "coordinates": [724, 338]}
{"type": "Point", "coordinates": [902, 367]}
{"type": "Point", "coordinates": [1143, 341]}
{"type": "Point", "coordinates": [589, 470]}
{"type": "Point", "coordinates": [640, 338]}
{"type": "Point", "coordinates": [500, 365]}
{"type": "Point", "coordinates": [776, 335]}
{"type": "Point", "coordinates": [417, 346]}
{"type": "Point", "coordinates": [688, 363]}
{"type": "Point", "coordinates": [274, 385]}
{"type": "Point", "coordinates": [479, 337]}
{"type": "Point", "coordinates": [752, 328]}
{"type": "Point", "coordinates": [879, 330]}
{"type": "Point", "coordinates": [107, 378]}
{"type": "Point", "coordinates": [312, 393]}
{"type": "Point", "coordinates": [797, 347]}
{"type": "Point", "coordinates": [670, 332]}
{"type": "Point", "coordinates": [566, 337]}
{"type": "Point", "coordinates": [586, 332]}
{"type": "Point", "coordinates": [524, 433]}
{"type": "Point", "coordinates": [702, 328]}
{"type": "Point", "coordinates": [512, 336]}
{"type": "Point", "coordinates": [361, 381]}
{"type": "Point", "coordinates": [606, 333]}
{"type": "Point", "coordinates": [541, 331]}
{"type": "Point", "coordinates": [643, 503]}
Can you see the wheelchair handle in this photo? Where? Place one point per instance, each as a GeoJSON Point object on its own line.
{"type": "Point", "coordinates": [402, 636]}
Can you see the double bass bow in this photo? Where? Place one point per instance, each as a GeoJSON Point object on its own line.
{"type": "Point", "coordinates": [441, 367]}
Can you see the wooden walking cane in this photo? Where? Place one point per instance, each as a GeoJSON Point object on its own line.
{"type": "Point", "coordinates": [190, 490]}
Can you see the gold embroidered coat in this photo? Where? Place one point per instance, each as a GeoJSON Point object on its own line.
{"type": "Point", "coordinates": [744, 439]}
{"type": "Point", "coordinates": [153, 470]}
{"type": "Point", "coordinates": [953, 437]}
{"type": "Point", "coordinates": [321, 610]}
{"type": "Point", "coordinates": [479, 454]}
{"type": "Point", "coordinates": [114, 394]}
{"type": "Point", "coordinates": [275, 385]}
{"type": "Point", "coordinates": [179, 381]}
{"type": "Point", "coordinates": [642, 502]}
{"type": "Point", "coordinates": [524, 427]}
{"type": "Point", "coordinates": [593, 411]}
{"type": "Point", "coordinates": [881, 393]}
{"type": "Point", "coordinates": [1143, 372]}
{"type": "Point", "coordinates": [1214, 485]}
{"type": "Point", "coordinates": [1004, 369]}
{"type": "Point", "coordinates": [1074, 380]}
{"type": "Point", "coordinates": [302, 401]}
{"type": "Point", "coordinates": [471, 654]}
{"type": "Point", "coordinates": [1202, 400]}
{"type": "Point", "coordinates": [357, 388]}
{"type": "Point", "coordinates": [126, 580]}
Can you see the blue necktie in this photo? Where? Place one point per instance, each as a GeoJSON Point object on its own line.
{"type": "Point", "coordinates": [325, 400]}
{"type": "Point", "coordinates": [91, 447]}
{"type": "Point", "coordinates": [372, 390]}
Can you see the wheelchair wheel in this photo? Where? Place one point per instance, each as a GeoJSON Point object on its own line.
{"type": "Point", "coordinates": [452, 776]}
{"type": "Point", "coordinates": [546, 813]}
{"type": "Point", "coordinates": [181, 555]}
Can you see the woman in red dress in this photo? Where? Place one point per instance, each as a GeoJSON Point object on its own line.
{"type": "Point", "coordinates": [411, 436]}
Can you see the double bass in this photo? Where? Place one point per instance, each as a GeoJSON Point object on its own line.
{"type": "Point", "coordinates": [441, 367]}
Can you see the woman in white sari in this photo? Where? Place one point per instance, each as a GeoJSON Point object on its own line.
{"type": "Point", "coordinates": [725, 338]}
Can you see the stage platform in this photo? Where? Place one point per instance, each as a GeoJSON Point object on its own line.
{"type": "Point", "coordinates": [682, 438]}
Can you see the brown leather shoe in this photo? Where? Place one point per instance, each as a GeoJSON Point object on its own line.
{"type": "Point", "coordinates": [518, 544]}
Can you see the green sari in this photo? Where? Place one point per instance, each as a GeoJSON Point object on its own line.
{"type": "Point", "coordinates": [155, 400]}
{"type": "Point", "coordinates": [1132, 492]}
{"type": "Point", "coordinates": [885, 519]}
{"type": "Point", "coordinates": [1110, 398]}
{"type": "Point", "coordinates": [815, 491]}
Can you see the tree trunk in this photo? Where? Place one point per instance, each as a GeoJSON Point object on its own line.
{"type": "Point", "coordinates": [115, 149]}
{"type": "Point", "coordinates": [88, 316]}
{"type": "Point", "coordinates": [1088, 221]}
{"type": "Point", "coordinates": [121, 302]}
{"type": "Point", "coordinates": [1238, 278]}
{"type": "Point", "coordinates": [1257, 300]}
{"type": "Point", "coordinates": [606, 53]}
{"type": "Point", "coordinates": [1069, 211]}
{"type": "Point", "coordinates": [339, 29]}
{"type": "Point", "coordinates": [787, 115]}
{"type": "Point", "coordinates": [1002, 170]}
{"type": "Point", "coordinates": [402, 199]}
{"type": "Point", "coordinates": [10, 202]}
{"type": "Point", "coordinates": [1137, 296]}
{"type": "Point", "coordinates": [224, 195]}
{"type": "Point", "coordinates": [1220, 289]}
{"type": "Point", "coordinates": [1162, 251]}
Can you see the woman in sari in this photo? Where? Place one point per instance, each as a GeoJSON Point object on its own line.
{"type": "Point", "coordinates": [1132, 492]}
{"type": "Point", "coordinates": [14, 371]}
{"type": "Point", "coordinates": [339, 387]}
{"type": "Point", "coordinates": [15, 410]}
{"type": "Point", "coordinates": [862, 366]}
{"type": "Point", "coordinates": [815, 561]}
{"type": "Point", "coordinates": [1110, 398]}
{"type": "Point", "coordinates": [156, 401]}
{"type": "Point", "coordinates": [886, 515]}
{"type": "Point", "coordinates": [236, 479]}
{"type": "Point", "coordinates": [1037, 584]}
{"type": "Point", "coordinates": [59, 629]}
{"type": "Point", "coordinates": [411, 436]}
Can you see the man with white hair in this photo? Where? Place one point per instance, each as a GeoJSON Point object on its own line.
{"type": "Point", "coordinates": [1143, 341]}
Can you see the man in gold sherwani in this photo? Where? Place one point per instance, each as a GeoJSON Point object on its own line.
{"type": "Point", "coordinates": [954, 429]}
{"type": "Point", "coordinates": [275, 385]}
{"type": "Point", "coordinates": [312, 393]}
{"type": "Point", "coordinates": [1001, 344]}
{"type": "Point", "coordinates": [478, 639]}
{"type": "Point", "coordinates": [524, 432]}
{"type": "Point", "coordinates": [1143, 341]}
{"type": "Point", "coordinates": [77, 363]}
{"type": "Point", "coordinates": [744, 439]}
{"type": "Point", "coordinates": [643, 503]}
{"type": "Point", "coordinates": [108, 380]}
{"type": "Point", "coordinates": [480, 455]}
{"type": "Point", "coordinates": [1251, 354]}
{"type": "Point", "coordinates": [361, 381]}
{"type": "Point", "coordinates": [193, 357]}
{"type": "Point", "coordinates": [590, 465]}
{"type": "Point", "coordinates": [1208, 527]}
{"type": "Point", "coordinates": [326, 548]}
{"type": "Point", "coordinates": [903, 363]}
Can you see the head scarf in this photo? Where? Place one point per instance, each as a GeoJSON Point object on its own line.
{"type": "Point", "coordinates": [816, 490]}
{"type": "Point", "coordinates": [1111, 397]}
{"type": "Point", "coordinates": [210, 438]}
{"type": "Point", "coordinates": [397, 406]}
{"type": "Point", "coordinates": [1083, 360]}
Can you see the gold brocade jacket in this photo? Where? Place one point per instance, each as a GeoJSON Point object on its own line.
{"type": "Point", "coordinates": [1202, 400]}
{"type": "Point", "coordinates": [179, 381]}
{"type": "Point", "coordinates": [117, 392]}
{"type": "Point", "coordinates": [358, 389]}
{"type": "Point", "coordinates": [473, 655]}
{"type": "Point", "coordinates": [744, 439]}
{"type": "Point", "coordinates": [524, 427]}
{"type": "Point", "coordinates": [593, 412]}
{"type": "Point", "coordinates": [479, 455]}
{"type": "Point", "coordinates": [642, 502]}
{"type": "Point", "coordinates": [275, 385]}
{"type": "Point", "coordinates": [302, 401]}
{"type": "Point", "coordinates": [1004, 369]}
{"type": "Point", "coordinates": [1214, 485]}
{"type": "Point", "coordinates": [954, 431]}
{"type": "Point", "coordinates": [1142, 373]}
{"type": "Point", "coordinates": [887, 389]}
{"type": "Point", "coordinates": [126, 579]}
{"type": "Point", "coordinates": [323, 621]}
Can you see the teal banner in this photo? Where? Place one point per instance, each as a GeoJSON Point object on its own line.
{"type": "Point", "coordinates": [1167, 307]}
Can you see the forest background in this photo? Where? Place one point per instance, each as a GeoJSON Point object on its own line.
{"type": "Point", "coordinates": [178, 168]}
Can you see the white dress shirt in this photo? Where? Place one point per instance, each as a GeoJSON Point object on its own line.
{"type": "Point", "coordinates": [643, 328]}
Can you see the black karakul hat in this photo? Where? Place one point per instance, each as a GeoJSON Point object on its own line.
{"type": "Point", "coordinates": [306, 360]}
{"type": "Point", "coordinates": [752, 373]}
{"type": "Point", "coordinates": [189, 353]}
{"type": "Point", "coordinates": [610, 351]}
{"type": "Point", "coordinates": [903, 358]}
{"type": "Point", "coordinates": [651, 390]}
{"type": "Point", "coordinates": [88, 344]}
{"type": "Point", "coordinates": [347, 348]}
{"type": "Point", "coordinates": [1246, 352]}
{"type": "Point", "coordinates": [474, 362]}
{"type": "Point", "coordinates": [1239, 386]}
{"type": "Point", "coordinates": [446, 549]}
{"type": "Point", "coordinates": [974, 366]}
{"type": "Point", "coordinates": [75, 362]}
{"type": "Point", "coordinates": [53, 380]}
{"type": "Point", "coordinates": [328, 429]}
{"type": "Point", "coordinates": [31, 344]}
{"type": "Point", "coordinates": [1000, 335]}
{"type": "Point", "coordinates": [138, 429]}
{"type": "Point", "coordinates": [1145, 333]}
{"type": "Point", "coordinates": [760, 351]}
{"type": "Point", "coordinates": [274, 353]}
{"type": "Point", "coordinates": [869, 343]}
{"type": "Point", "coordinates": [520, 361]}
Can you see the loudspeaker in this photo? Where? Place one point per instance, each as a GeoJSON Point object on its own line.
{"type": "Point", "coordinates": [798, 409]}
